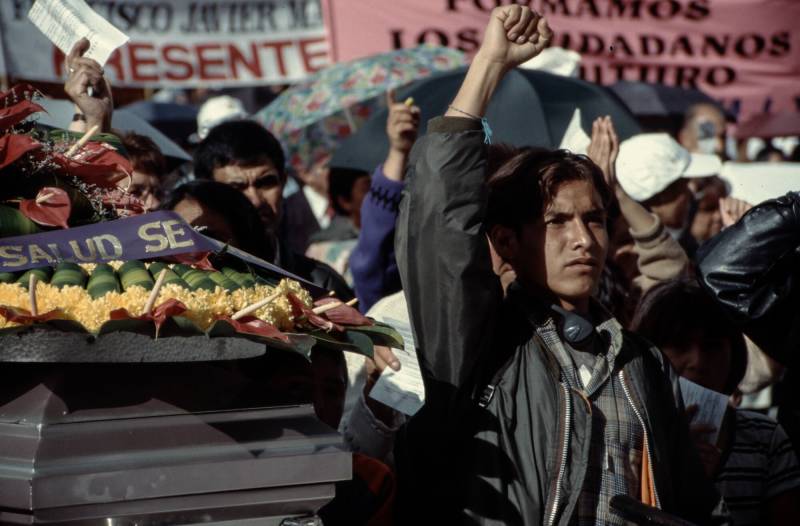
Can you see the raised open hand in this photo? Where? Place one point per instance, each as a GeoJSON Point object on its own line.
{"type": "Point", "coordinates": [85, 73]}
{"type": "Point", "coordinates": [604, 148]}
{"type": "Point", "coordinates": [514, 35]}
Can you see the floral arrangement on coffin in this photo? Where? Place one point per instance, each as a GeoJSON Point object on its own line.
{"type": "Point", "coordinates": [71, 247]}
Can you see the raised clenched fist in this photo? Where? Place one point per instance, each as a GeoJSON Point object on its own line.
{"type": "Point", "coordinates": [515, 34]}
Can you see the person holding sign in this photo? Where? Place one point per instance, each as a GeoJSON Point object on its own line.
{"type": "Point", "coordinates": [539, 407]}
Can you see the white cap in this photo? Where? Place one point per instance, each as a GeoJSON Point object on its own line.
{"type": "Point", "coordinates": [650, 162]}
{"type": "Point", "coordinates": [217, 110]}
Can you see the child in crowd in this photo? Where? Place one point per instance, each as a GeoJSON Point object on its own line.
{"type": "Point", "coordinates": [753, 464]}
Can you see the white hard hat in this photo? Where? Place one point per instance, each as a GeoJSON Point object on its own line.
{"type": "Point", "coordinates": [217, 110]}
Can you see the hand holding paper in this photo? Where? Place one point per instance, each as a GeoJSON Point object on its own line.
{"type": "Point", "coordinates": [401, 388]}
{"type": "Point", "coordinates": [88, 88]}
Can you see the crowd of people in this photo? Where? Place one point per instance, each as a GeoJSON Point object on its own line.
{"type": "Point", "coordinates": [555, 299]}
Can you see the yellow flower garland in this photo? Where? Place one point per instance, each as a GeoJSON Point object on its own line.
{"type": "Point", "coordinates": [203, 306]}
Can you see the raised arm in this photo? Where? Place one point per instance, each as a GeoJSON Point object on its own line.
{"type": "Point", "coordinates": [443, 255]}
{"type": "Point", "coordinates": [84, 74]}
{"type": "Point", "coordinates": [660, 257]}
{"type": "Point", "coordinates": [372, 261]}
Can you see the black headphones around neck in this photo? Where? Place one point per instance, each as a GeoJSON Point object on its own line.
{"type": "Point", "coordinates": [574, 328]}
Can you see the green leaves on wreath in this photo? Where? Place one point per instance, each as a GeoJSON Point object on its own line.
{"type": "Point", "coordinates": [350, 341]}
{"type": "Point", "coordinates": [247, 325]}
{"type": "Point", "coordinates": [380, 334]}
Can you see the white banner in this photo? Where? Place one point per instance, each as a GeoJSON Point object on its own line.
{"type": "Point", "coordinates": [182, 42]}
{"type": "Point", "coordinates": [757, 182]}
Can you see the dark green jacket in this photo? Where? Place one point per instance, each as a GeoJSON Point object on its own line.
{"type": "Point", "coordinates": [522, 458]}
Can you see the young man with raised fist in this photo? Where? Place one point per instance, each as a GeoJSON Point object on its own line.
{"type": "Point", "coordinates": [539, 407]}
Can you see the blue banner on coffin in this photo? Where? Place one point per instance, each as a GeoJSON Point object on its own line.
{"type": "Point", "coordinates": [146, 236]}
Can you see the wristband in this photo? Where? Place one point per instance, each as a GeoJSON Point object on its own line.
{"type": "Point", "coordinates": [78, 117]}
{"type": "Point", "coordinates": [487, 130]}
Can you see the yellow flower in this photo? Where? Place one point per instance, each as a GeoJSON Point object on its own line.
{"type": "Point", "coordinates": [203, 306]}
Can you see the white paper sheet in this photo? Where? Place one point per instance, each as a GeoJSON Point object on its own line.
{"type": "Point", "coordinates": [401, 390]}
{"type": "Point", "coordinates": [711, 405]}
{"type": "Point", "coordinates": [65, 22]}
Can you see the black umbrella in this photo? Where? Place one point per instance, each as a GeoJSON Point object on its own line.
{"type": "Point", "coordinates": [176, 121]}
{"type": "Point", "coordinates": [658, 100]}
{"type": "Point", "coordinates": [59, 114]}
{"type": "Point", "coordinates": [529, 108]}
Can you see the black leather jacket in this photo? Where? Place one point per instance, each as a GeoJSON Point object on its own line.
{"type": "Point", "coordinates": [751, 268]}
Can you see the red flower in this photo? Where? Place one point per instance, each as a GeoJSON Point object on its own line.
{"type": "Point", "coordinates": [17, 113]}
{"type": "Point", "coordinates": [343, 314]}
{"type": "Point", "coordinates": [51, 207]}
{"type": "Point", "coordinates": [158, 315]}
{"type": "Point", "coordinates": [256, 327]}
{"type": "Point", "coordinates": [13, 146]}
{"type": "Point", "coordinates": [24, 317]}
{"type": "Point", "coordinates": [301, 312]}
{"type": "Point", "coordinates": [96, 163]}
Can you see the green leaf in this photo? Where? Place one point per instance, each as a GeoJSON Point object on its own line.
{"type": "Point", "coordinates": [66, 326]}
{"type": "Point", "coordinates": [352, 342]}
{"type": "Point", "coordinates": [186, 326]}
{"type": "Point", "coordinates": [18, 329]}
{"type": "Point", "coordinates": [223, 329]}
{"type": "Point", "coordinates": [302, 344]}
{"type": "Point", "coordinates": [145, 327]}
{"type": "Point", "coordinates": [381, 334]}
{"type": "Point", "coordinates": [362, 341]}
{"type": "Point", "coordinates": [49, 325]}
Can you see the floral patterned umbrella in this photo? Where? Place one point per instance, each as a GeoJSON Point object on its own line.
{"type": "Point", "coordinates": [312, 117]}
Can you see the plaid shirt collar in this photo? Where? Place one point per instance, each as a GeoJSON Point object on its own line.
{"type": "Point", "coordinates": [608, 338]}
{"type": "Point", "coordinates": [609, 334]}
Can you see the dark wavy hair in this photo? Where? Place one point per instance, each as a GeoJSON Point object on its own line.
{"type": "Point", "coordinates": [238, 142]}
{"type": "Point", "coordinates": [673, 312]}
{"type": "Point", "coordinates": [523, 182]}
{"type": "Point", "coordinates": [240, 215]}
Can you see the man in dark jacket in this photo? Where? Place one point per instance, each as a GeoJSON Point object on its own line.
{"type": "Point", "coordinates": [248, 157]}
{"type": "Point", "coordinates": [539, 407]}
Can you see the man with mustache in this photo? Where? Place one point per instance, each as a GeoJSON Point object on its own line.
{"type": "Point", "coordinates": [539, 407]}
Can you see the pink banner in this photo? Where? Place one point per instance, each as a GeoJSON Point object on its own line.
{"type": "Point", "coordinates": [745, 53]}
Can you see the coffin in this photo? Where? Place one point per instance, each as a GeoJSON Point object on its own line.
{"type": "Point", "coordinates": [158, 443]}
